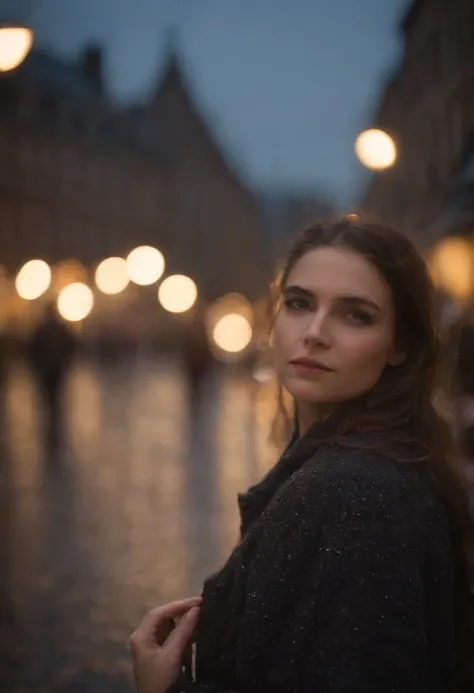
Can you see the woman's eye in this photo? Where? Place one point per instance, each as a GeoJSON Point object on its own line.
{"type": "Point", "coordinates": [296, 304]}
{"type": "Point", "coordinates": [360, 317]}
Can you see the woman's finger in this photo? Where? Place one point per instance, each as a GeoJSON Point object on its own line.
{"type": "Point", "coordinates": [154, 618]}
{"type": "Point", "coordinates": [163, 630]}
{"type": "Point", "coordinates": [182, 635]}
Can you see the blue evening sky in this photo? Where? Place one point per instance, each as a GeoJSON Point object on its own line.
{"type": "Point", "coordinates": [286, 84]}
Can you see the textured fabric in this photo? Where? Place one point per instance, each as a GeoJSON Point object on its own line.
{"type": "Point", "coordinates": [343, 581]}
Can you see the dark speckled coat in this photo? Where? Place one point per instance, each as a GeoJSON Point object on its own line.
{"type": "Point", "coordinates": [344, 581]}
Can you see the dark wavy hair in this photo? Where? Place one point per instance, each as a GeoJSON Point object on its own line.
{"type": "Point", "coordinates": [406, 400]}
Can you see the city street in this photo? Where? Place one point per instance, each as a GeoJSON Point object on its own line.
{"type": "Point", "coordinates": [137, 511]}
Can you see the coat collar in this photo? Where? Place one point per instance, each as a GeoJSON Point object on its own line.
{"type": "Point", "coordinates": [299, 449]}
{"type": "Point", "coordinates": [252, 503]}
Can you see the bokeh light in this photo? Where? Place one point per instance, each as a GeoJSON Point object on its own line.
{"type": "Point", "coordinates": [75, 302]}
{"type": "Point", "coordinates": [452, 268]}
{"type": "Point", "coordinates": [111, 276]}
{"type": "Point", "coordinates": [230, 303]}
{"type": "Point", "coordinates": [33, 280]}
{"type": "Point", "coordinates": [68, 271]}
{"type": "Point", "coordinates": [177, 293]}
{"type": "Point", "coordinates": [232, 333]}
{"type": "Point", "coordinates": [15, 44]}
{"type": "Point", "coordinates": [375, 149]}
{"type": "Point", "coordinates": [145, 265]}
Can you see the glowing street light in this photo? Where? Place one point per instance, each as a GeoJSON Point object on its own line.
{"type": "Point", "coordinates": [15, 44]}
{"type": "Point", "coordinates": [33, 280]}
{"type": "Point", "coordinates": [145, 265]}
{"type": "Point", "coordinates": [451, 266]}
{"type": "Point", "coordinates": [375, 149]}
{"type": "Point", "coordinates": [232, 333]}
{"type": "Point", "coordinates": [231, 303]}
{"type": "Point", "coordinates": [177, 293]}
{"type": "Point", "coordinates": [75, 302]}
{"type": "Point", "coordinates": [111, 276]}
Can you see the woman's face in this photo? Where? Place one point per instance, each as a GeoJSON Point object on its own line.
{"type": "Point", "coordinates": [335, 329]}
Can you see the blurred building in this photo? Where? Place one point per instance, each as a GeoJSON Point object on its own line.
{"type": "Point", "coordinates": [427, 106]}
{"type": "Point", "coordinates": [84, 178]}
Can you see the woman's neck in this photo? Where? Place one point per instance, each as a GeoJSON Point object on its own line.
{"type": "Point", "coordinates": [308, 413]}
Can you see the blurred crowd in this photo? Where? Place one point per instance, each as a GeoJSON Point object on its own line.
{"type": "Point", "coordinates": [52, 346]}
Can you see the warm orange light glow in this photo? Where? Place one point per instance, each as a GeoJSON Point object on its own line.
{"type": "Point", "coordinates": [452, 267]}
{"type": "Point", "coordinates": [230, 303]}
{"type": "Point", "coordinates": [68, 271]}
{"type": "Point", "coordinates": [75, 302]}
{"type": "Point", "coordinates": [111, 276]}
{"type": "Point", "coordinates": [145, 265]}
{"type": "Point", "coordinates": [177, 293]}
{"type": "Point", "coordinates": [33, 280]}
{"type": "Point", "coordinates": [232, 333]}
{"type": "Point", "coordinates": [15, 44]}
{"type": "Point", "coordinates": [375, 149]}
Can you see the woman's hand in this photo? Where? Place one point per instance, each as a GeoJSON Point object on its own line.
{"type": "Point", "coordinates": [158, 645]}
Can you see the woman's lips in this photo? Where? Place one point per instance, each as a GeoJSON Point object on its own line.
{"type": "Point", "coordinates": [310, 366]}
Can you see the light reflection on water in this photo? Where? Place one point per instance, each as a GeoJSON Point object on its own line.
{"type": "Point", "coordinates": [137, 512]}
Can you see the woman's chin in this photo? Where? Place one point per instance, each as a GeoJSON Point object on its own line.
{"type": "Point", "coordinates": [306, 391]}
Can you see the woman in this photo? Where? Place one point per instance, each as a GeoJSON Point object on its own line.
{"type": "Point", "coordinates": [352, 574]}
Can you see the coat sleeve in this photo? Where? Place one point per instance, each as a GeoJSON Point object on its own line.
{"type": "Point", "coordinates": [335, 594]}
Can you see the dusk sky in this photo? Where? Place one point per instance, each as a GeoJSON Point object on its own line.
{"type": "Point", "coordinates": [286, 84]}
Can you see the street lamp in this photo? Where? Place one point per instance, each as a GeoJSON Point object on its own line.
{"type": "Point", "coordinates": [16, 41]}
{"type": "Point", "coordinates": [177, 293]}
{"type": "Point", "coordinates": [375, 149]}
{"type": "Point", "coordinates": [232, 333]}
{"type": "Point", "coordinates": [75, 302]}
{"type": "Point", "coordinates": [111, 276]}
{"type": "Point", "coordinates": [145, 265]}
{"type": "Point", "coordinates": [33, 280]}
{"type": "Point", "coordinates": [451, 264]}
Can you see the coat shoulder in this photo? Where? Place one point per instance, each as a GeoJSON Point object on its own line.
{"type": "Point", "coordinates": [338, 480]}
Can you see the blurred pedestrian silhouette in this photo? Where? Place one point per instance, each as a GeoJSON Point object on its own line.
{"type": "Point", "coordinates": [50, 352]}
{"type": "Point", "coordinates": [197, 358]}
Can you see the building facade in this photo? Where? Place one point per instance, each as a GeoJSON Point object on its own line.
{"type": "Point", "coordinates": [427, 106]}
{"type": "Point", "coordinates": [84, 179]}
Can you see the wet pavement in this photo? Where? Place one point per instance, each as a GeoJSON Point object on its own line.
{"type": "Point", "coordinates": [137, 511]}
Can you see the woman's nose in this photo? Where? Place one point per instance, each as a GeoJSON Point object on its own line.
{"type": "Point", "coordinates": [317, 331]}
